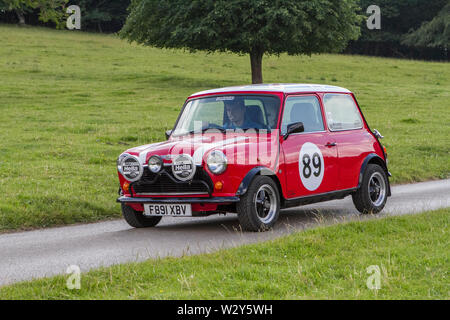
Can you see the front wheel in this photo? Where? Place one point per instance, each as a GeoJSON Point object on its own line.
{"type": "Point", "coordinates": [259, 208]}
{"type": "Point", "coordinates": [372, 195]}
{"type": "Point", "coordinates": [136, 219]}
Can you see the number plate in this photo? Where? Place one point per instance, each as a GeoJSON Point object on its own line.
{"type": "Point", "coordinates": [175, 210]}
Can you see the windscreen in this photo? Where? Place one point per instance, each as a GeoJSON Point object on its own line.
{"type": "Point", "coordinates": [230, 112]}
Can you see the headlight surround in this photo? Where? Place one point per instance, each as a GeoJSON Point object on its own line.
{"type": "Point", "coordinates": [130, 167]}
{"type": "Point", "coordinates": [155, 164]}
{"type": "Point", "coordinates": [217, 162]}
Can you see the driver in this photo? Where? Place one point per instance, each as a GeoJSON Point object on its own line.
{"type": "Point", "coordinates": [235, 110]}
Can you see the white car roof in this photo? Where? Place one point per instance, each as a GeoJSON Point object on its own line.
{"type": "Point", "coordinates": [277, 87]}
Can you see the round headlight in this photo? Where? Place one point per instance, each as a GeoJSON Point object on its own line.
{"type": "Point", "coordinates": [217, 162]}
{"type": "Point", "coordinates": [155, 164]}
{"type": "Point", "coordinates": [130, 167]}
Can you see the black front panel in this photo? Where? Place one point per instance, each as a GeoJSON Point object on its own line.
{"type": "Point", "coordinates": [164, 183]}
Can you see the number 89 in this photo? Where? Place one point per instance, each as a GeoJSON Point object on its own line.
{"type": "Point", "coordinates": [316, 162]}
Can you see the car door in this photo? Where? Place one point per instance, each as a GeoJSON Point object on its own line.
{"type": "Point", "coordinates": [352, 140]}
{"type": "Point", "coordinates": [310, 157]}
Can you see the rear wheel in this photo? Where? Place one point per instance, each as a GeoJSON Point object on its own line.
{"type": "Point", "coordinates": [372, 195]}
{"type": "Point", "coordinates": [136, 219]}
{"type": "Point", "coordinates": [259, 208]}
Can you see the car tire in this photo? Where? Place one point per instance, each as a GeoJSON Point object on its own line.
{"type": "Point", "coordinates": [136, 219]}
{"type": "Point", "coordinates": [371, 196]}
{"type": "Point", "coordinates": [259, 207]}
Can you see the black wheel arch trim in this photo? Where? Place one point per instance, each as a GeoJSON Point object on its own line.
{"type": "Point", "coordinates": [243, 187]}
{"type": "Point", "coordinates": [378, 160]}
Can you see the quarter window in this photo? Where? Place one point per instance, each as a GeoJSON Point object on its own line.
{"type": "Point", "coordinates": [304, 109]}
{"type": "Point", "coordinates": [341, 112]}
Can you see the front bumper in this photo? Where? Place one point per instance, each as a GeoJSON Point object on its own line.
{"type": "Point", "coordinates": [217, 200]}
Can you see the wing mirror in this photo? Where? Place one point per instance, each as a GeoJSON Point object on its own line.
{"type": "Point", "coordinates": [296, 127]}
{"type": "Point", "coordinates": [168, 133]}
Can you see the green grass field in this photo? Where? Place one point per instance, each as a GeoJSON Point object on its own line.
{"type": "Point", "coordinates": [71, 102]}
{"type": "Point", "coordinates": [411, 253]}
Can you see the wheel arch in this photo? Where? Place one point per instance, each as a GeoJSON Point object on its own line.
{"type": "Point", "coordinates": [259, 171]}
{"type": "Point", "coordinates": [374, 159]}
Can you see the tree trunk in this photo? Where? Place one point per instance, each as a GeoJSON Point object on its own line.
{"type": "Point", "coordinates": [21, 17]}
{"type": "Point", "coordinates": [256, 63]}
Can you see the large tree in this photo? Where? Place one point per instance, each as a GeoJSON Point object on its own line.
{"type": "Point", "coordinates": [254, 27]}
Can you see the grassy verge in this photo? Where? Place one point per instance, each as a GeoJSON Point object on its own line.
{"type": "Point", "coordinates": [71, 102]}
{"type": "Point", "coordinates": [324, 263]}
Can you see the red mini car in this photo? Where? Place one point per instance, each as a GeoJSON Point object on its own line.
{"type": "Point", "coordinates": [254, 150]}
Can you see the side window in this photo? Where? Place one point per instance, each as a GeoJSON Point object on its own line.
{"type": "Point", "coordinates": [304, 109]}
{"type": "Point", "coordinates": [341, 112]}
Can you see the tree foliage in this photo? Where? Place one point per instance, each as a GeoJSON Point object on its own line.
{"type": "Point", "coordinates": [435, 33]}
{"type": "Point", "coordinates": [49, 10]}
{"type": "Point", "coordinates": [103, 15]}
{"type": "Point", "coordinates": [254, 27]}
{"type": "Point", "coordinates": [398, 17]}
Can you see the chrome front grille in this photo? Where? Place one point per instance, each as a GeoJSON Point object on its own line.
{"type": "Point", "coordinates": [164, 183]}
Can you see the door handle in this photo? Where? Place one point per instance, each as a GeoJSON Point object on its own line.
{"type": "Point", "coordinates": [330, 144]}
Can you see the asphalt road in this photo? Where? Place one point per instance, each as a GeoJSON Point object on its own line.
{"type": "Point", "coordinates": [48, 252]}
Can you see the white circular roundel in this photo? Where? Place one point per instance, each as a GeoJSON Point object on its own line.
{"type": "Point", "coordinates": [311, 166]}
